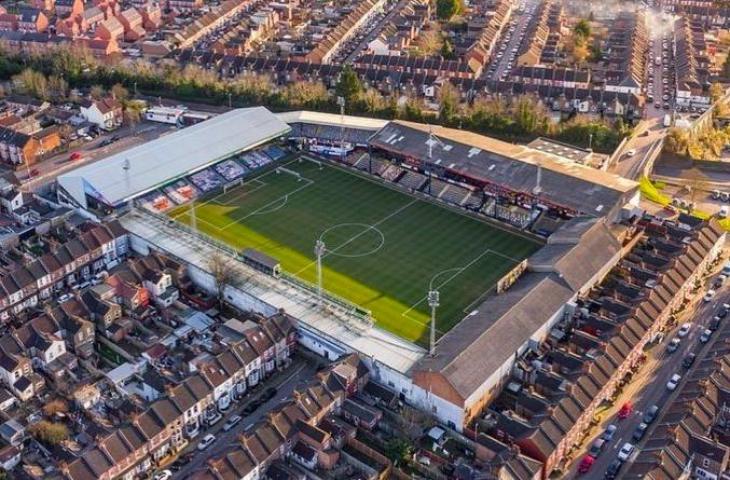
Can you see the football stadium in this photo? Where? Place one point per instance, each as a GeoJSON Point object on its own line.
{"type": "Point", "coordinates": [384, 249]}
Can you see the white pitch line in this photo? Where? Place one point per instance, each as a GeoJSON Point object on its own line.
{"type": "Point", "coordinates": [358, 235]}
{"type": "Point", "coordinates": [459, 271]}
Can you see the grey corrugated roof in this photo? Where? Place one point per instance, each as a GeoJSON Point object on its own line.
{"type": "Point", "coordinates": [159, 161]}
{"type": "Point", "coordinates": [563, 182]}
{"type": "Point", "coordinates": [478, 346]}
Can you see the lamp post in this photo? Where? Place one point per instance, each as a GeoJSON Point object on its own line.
{"type": "Point", "coordinates": [319, 249]}
{"type": "Point", "coordinates": [433, 302]}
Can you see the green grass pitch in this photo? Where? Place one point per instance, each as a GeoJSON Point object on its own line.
{"type": "Point", "coordinates": [384, 248]}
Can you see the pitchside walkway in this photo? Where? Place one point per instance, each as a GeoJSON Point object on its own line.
{"type": "Point", "coordinates": [330, 324]}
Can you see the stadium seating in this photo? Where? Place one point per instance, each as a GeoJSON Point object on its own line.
{"type": "Point", "coordinates": [230, 170]}
{"type": "Point", "coordinates": [181, 191]}
{"type": "Point", "coordinates": [391, 173]}
{"type": "Point", "coordinates": [156, 201]}
{"type": "Point", "coordinates": [438, 187]}
{"type": "Point", "coordinates": [378, 166]}
{"type": "Point", "coordinates": [330, 133]}
{"type": "Point", "coordinates": [473, 201]}
{"type": "Point", "coordinates": [412, 180]}
{"type": "Point", "coordinates": [274, 152]}
{"type": "Point", "coordinates": [455, 194]}
{"type": "Point", "coordinates": [207, 180]}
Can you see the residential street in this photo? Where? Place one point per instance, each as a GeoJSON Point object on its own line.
{"type": "Point", "coordinates": [648, 387]}
{"type": "Point", "coordinates": [297, 375]}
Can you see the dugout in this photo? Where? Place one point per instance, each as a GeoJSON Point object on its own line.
{"type": "Point", "coordinates": [261, 262]}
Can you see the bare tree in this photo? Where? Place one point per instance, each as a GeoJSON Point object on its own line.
{"type": "Point", "coordinates": [223, 274]}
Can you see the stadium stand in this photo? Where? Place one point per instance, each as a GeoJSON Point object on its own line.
{"type": "Point", "coordinates": [230, 170]}
{"type": "Point", "coordinates": [255, 159]}
{"type": "Point", "coordinates": [181, 191]}
{"type": "Point", "coordinates": [412, 180]}
{"type": "Point", "coordinates": [378, 166]}
{"type": "Point", "coordinates": [156, 201]}
{"type": "Point", "coordinates": [473, 201]}
{"type": "Point", "coordinates": [207, 180]}
{"type": "Point", "coordinates": [328, 133]}
{"type": "Point", "coordinates": [438, 187]}
{"type": "Point", "coordinates": [392, 173]}
{"type": "Point", "coordinates": [275, 152]}
{"type": "Point", "coordinates": [455, 194]}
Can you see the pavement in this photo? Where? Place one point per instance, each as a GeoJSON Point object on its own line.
{"type": "Point", "coordinates": [648, 385]}
{"type": "Point", "coordinates": [299, 374]}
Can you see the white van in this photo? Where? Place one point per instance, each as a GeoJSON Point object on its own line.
{"type": "Point", "coordinates": [724, 211]}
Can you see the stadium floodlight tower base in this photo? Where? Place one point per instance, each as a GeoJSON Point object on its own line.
{"type": "Point", "coordinates": [433, 302]}
{"type": "Point", "coordinates": [319, 249]}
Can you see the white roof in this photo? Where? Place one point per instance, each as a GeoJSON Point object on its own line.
{"type": "Point", "coordinates": [332, 119]}
{"type": "Point", "coordinates": [143, 168]}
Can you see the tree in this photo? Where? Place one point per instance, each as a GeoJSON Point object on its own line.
{"type": "Point", "coordinates": [580, 53]}
{"type": "Point", "coordinates": [716, 92]}
{"type": "Point", "coordinates": [447, 49]}
{"type": "Point", "coordinates": [348, 86]}
{"type": "Point", "coordinates": [582, 30]}
{"type": "Point", "coordinates": [676, 141]}
{"type": "Point", "coordinates": [97, 92]}
{"type": "Point", "coordinates": [726, 67]}
{"type": "Point", "coordinates": [446, 9]}
{"type": "Point", "coordinates": [49, 432]}
{"type": "Point", "coordinates": [55, 406]}
{"type": "Point", "coordinates": [133, 113]}
{"type": "Point", "coordinates": [32, 83]}
{"type": "Point", "coordinates": [119, 92]}
{"type": "Point", "coordinates": [223, 274]}
{"type": "Point", "coordinates": [397, 449]}
{"type": "Point", "coordinates": [448, 102]}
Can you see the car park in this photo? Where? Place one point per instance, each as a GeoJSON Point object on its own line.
{"type": "Point", "coordinates": [626, 450]}
{"type": "Point", "coordinates": [673, 382]}
{"type": "Point", "coordinates": [206, 442]}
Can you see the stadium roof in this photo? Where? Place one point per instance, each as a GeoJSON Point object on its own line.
{"type": "Point", "coordinates": [515, 167]}
{"type": "Point", "coordinates": [143, 168]}
{"type": "Point", "coordinates": [481, 343]}
{"type": "Point", "coordinates": [331, 119]}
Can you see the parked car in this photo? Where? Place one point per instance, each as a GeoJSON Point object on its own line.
{"type": "Point", "coordinates": [709, 295]}
{"type": "Point", "coordinates": [673, 382]}
{"type": "Point", "coordinates": [596, 447]}
{"type": "Point", "coordinates": [163, 475]}
{"type": "Point", "coordinates": [721, 279]}
{"type": "Point", "coordinates": [613, 469]}
{"type": "Point", "coordinates": [625, 451]}
{"type": "Point", "coordinates": [689, 360]}
{"type": "Point", "coordinates": [640, 431]}
{"type": "Point", "coordinates": [214, 419]}
{"type": "Point", "coordinates": [650, 414]}
{"type": "Point", "coordinates": [631, 153]}
{"type": "Point", "coordinates": [684, 330]}
{"type": "Point", "coordinates": [609, 432]}
{"type": "Point", "coordinates": [206, 442]}
{"type": "Point", "coordinates": [714, 323]}
{"type": "Point", "coordinates": [586, 464]}
{"type": "Point", "coordinates": [673, 345]}
{"type": "Point", "coordinates": [75, 156]}
{"type": "Point", "coordinates": [231, 422]}
{"type": "Point", "coordinates": [705, 336]}
{"type": "Point", "coordinates": [268, 394]}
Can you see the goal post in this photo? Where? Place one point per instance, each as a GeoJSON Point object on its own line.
{"type": "Point", "coordinates": [231, 185]}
